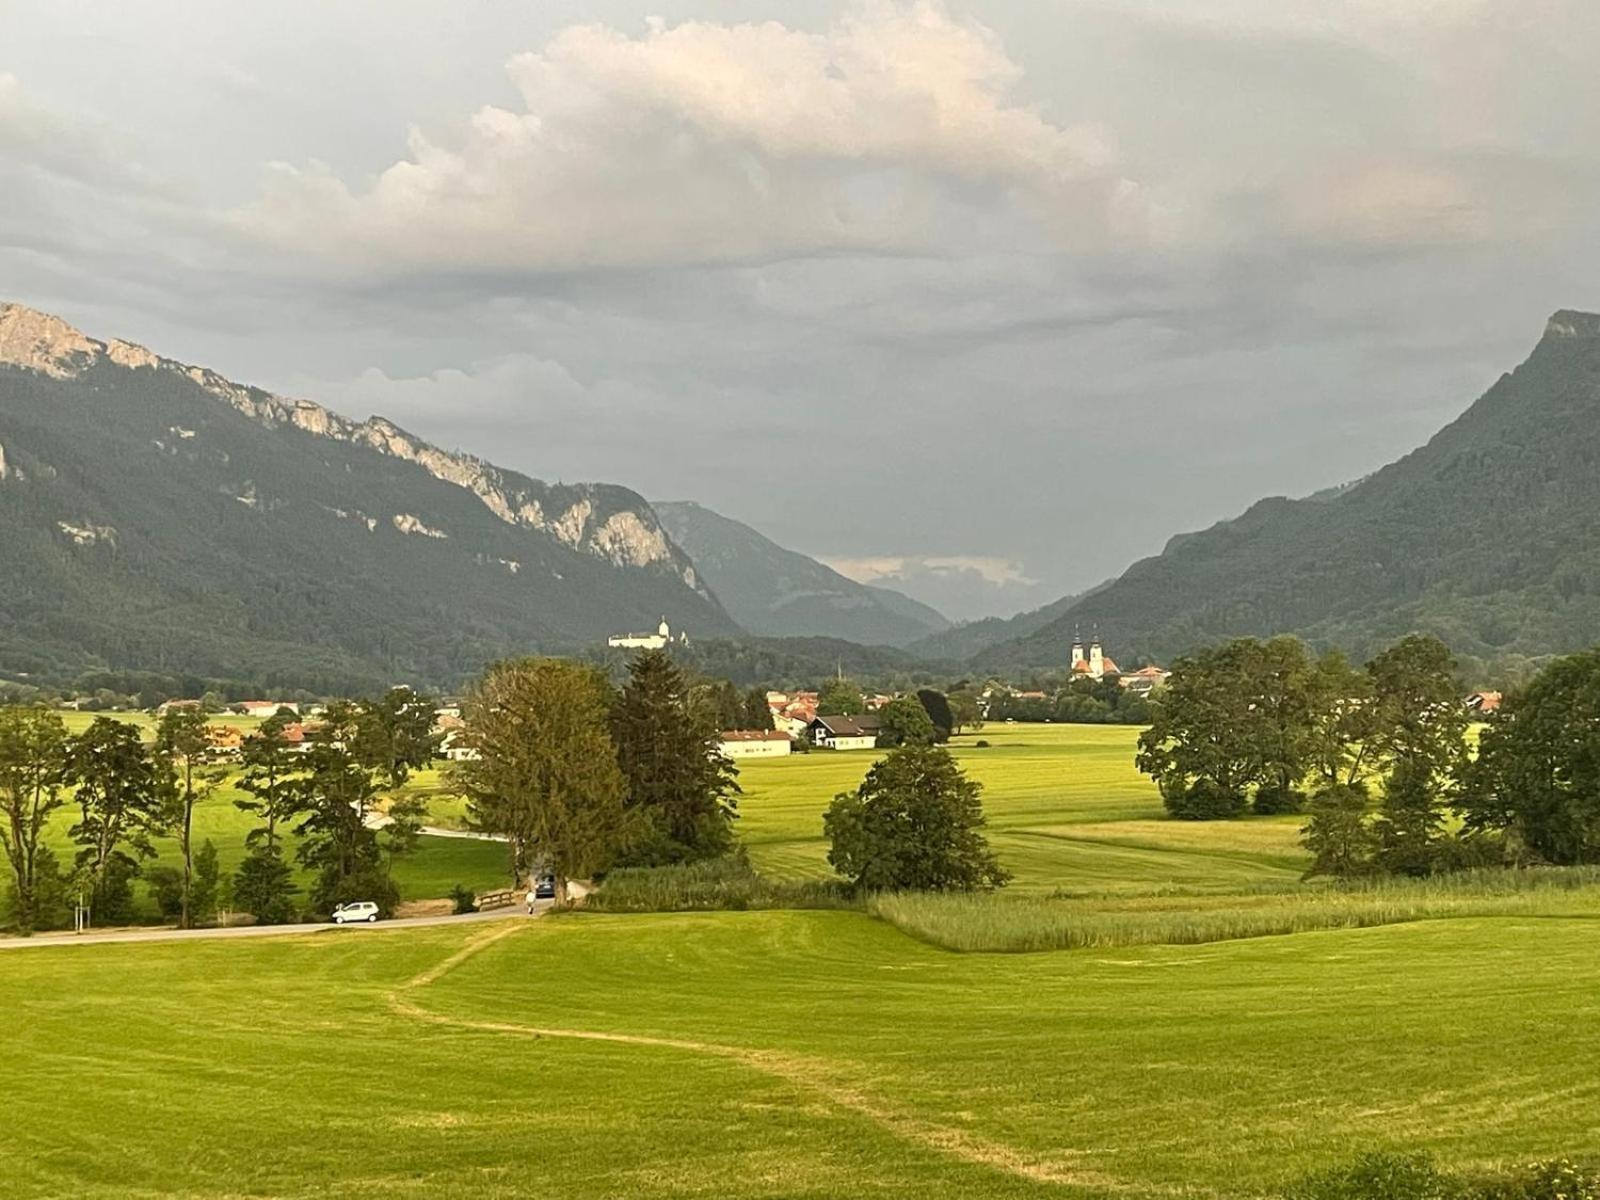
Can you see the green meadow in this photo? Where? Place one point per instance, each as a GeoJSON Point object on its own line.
{"type": "Point", "coordinates": [1175, 1014]}
{"type": "Point", "coordinates": [1066, 811]}
{"type": "Point", "coordinates": [785, 1054]}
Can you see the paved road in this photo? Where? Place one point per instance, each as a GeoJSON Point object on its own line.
{"type": "Point", "coordinates": [97, 937]}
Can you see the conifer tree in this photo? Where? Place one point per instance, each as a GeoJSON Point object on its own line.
{"type": "Point", "coordinates": [682, 791]}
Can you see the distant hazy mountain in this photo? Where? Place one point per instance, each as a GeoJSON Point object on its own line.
{"type": "Point", "coordinates": [157, 517]}
{"type": "Point", "coordinates": [781, 593]}
{"type": "Point", "coordinates": [965, 641]}
{"type": "Point", "coordinates": [1487, 536]}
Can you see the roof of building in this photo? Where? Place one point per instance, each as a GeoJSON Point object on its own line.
{"type": "Point", "coordinates": [1108, 666]}
{"type": "Point", "coordinates": [865, 725]}
{"type": "Point", "coordinates": [753, 735]}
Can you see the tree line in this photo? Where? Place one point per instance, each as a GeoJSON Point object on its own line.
{"type": "Point", "coordinates": [1380, 757]}
{"type": "Point", "coordinates": [124, 794]}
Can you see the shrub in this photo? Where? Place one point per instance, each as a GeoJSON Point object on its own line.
{"type": "Point", "coordinates": [1558, 1180]}
{"type": "Point", "coordinates": [1270, 801]}
{"type": "Point", "coordinates": [1381, 1177]}
{"type": "Point", "coordinates": [166, 886]}
{"type": "Point", "coordinates": [370, 883]}
{"type": "Point", "coordinates": [112, 902]}
{"type": "Point", "coordinates": [982, 743]}
{"type": "Point", "coordinates": [1202, 800]}
{"type": "Point", "coordinates": [727, 883]}
{"type": "Point", "coordinates": [1416, 1177]}
{"type": "Point", "coordinates": [465, 901]}
{"type": "Point", "coordinates": [264, 887]}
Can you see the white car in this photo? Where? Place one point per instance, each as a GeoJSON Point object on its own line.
{"type": "Point", "coordinates": [357, 910]}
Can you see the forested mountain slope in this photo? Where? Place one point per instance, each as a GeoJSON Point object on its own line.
{"type": "Point", "coordinates": [155, 516]}
{"type": "Point", "coordinates": [1488, 536]}
{"type": "Point", "coordinates": [778, 592]}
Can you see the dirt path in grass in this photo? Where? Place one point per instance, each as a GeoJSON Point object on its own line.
{"type": "Point", "coordinates": [821, 1077]}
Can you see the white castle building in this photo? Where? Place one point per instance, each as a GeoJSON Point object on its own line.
{"type": "Point", "coordinates": [659, 640]}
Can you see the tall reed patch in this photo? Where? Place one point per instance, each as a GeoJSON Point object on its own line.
{"type": "Point", "coordinates": [997, 922]}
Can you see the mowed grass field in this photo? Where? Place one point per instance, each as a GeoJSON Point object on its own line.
{"type": "Point", "coordinates": [785, 1054]}
{"type": "Point", "coordinates": [832, 1054]}
{"type": "Point", "coordinates": [1066, 811]}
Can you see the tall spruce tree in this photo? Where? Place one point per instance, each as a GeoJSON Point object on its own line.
{"type": "Point", "coordinates": [681, 789]}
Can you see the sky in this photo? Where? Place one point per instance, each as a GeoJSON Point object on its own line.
{"type": "Point", "coordinates": [982, 300]}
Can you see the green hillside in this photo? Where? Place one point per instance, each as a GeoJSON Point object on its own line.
{"type": "Point", "coordinates": [157, 517]}
{"type": "Point", "coordinates": [1486, 537]}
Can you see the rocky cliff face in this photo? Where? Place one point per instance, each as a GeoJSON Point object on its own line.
{"type": "Point", "coordinates": [158, 517]}
{"type": "Point", "coordinates": [608, 522]}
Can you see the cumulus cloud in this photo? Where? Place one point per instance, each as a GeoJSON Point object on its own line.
{"type": "Point", "coordinates": [892, 131]}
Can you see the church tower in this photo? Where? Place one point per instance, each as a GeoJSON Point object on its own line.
{"type": "Point", "coordinates": [1077, 649]}
{"type": "Point", "coordinates": [1097, 658]}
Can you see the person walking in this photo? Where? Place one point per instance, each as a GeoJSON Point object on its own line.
{"type": "Point", "coordinates": [533, 896]}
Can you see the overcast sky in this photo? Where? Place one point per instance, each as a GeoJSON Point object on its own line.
{"type": "Point", "coordinates": [989, 297]}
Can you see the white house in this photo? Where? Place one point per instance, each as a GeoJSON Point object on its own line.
{"type": "Point", "coordinates": [755, 743]}
{"type": "Point", "coordinates": [846, 733]}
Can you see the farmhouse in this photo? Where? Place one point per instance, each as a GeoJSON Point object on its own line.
{"type": "Point", "coordinates": [754, 743]}
{"type": "Point", "coordinates": [224, 741]}
{"type": "Point", "coordinates": [846, 733]}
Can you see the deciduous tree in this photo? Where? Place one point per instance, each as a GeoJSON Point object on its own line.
{"type": "Point", "coordinates": [181, 743]}
{"type": "Point", "coordinates": [1419, 728]}
{"type": "Point", "coordinates": [840, 697]}
{"type": "Point", "coordinates": [118, 794]}
{"type": "Point", "coordinates": [905, 722]}
{"type": "Point", "coordinates": [546, 776]}
{"type": "Point", "coordinates": [916, 822]}
{"type": "Point", "coordinates": [33, 771]}
{"type": "Point", "coordinates": [1537, 775]}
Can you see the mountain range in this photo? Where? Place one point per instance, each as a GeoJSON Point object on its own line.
{"type": "Point", "coordinates": [155, 516]}
{"type": "Point", "coordinates": [1486, 536]}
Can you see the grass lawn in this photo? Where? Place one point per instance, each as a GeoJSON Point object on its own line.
{"type": "Point", "coordinates": [786, 1054]}
{"type": "Point", "coordinates": [1066, 810]}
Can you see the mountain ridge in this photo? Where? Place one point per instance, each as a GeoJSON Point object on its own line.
{"type": "Point", "coordinates": [158, 516]}
{"type": "Point", "coordinates": [1480, 536]}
